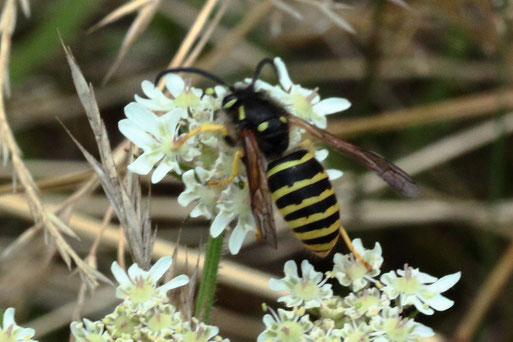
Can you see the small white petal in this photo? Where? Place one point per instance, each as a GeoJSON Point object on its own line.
{"type": "Point", "coordinates": [169, 121]}
{"type": "Point", "coordinates": [237, 238]}
{"type": "Point", "coordinates": [181, 280]}
{"type": "Point", "coordinates": [160, 267]}
{"type": "Point", "coordinates": [119, 274]}
{"type": "Point", "coordinates": [334, 174]}
{"type": "Point", "coordinates": [277, 285]}
{"type": "Point", "coordinates": [425, 309]}
{"type": "Point", "coordinates": [185, 198]}
{"type": "Point", "coordinates": [440, 303]}
{"type": "Point", "coordinates": [135, 134]}
{"type": "Point", "coordinates": [220, 223]}
{"type": "Point", "coordinates": [160, 172]}
{"type": "Point", "coordinates": [331, 105]}
{"type": "Point", "coordinates": [290, 268]}
{"type": "Point", "coordinates": [135, 271]}
{"type": "Point", "coordinates": [423, 331]}
{"type": "Point", "coordinates": [322, 154]}
{"type": "Point", "coordinates": [149, 88]}
{"type": "Point", "coordinates": [143, 164]}
{"type": "Point", "coordinates": [283, 74]}
{"type": "Point", "coordinates": [142, 117]}
{"type": "Point", "coordinates": [8, 319]}
{"type": "Point", "coordinates": [421, 276]}
{"type": "Point", "coordinates": [444, 283]}
{"type": "Point", "coordinates": [174, 84]}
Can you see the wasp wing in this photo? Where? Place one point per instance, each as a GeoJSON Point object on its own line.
{"type": "Point", "coordinates": [261, 201]}
{"type": "Point", "coordinates": [393, 175]}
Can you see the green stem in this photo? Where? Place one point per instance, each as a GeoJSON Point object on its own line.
{"type": "Point", "coordinates": [207, 288]}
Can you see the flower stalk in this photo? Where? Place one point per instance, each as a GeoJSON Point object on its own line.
{"type": "Point", "coordinates": [205, 299]}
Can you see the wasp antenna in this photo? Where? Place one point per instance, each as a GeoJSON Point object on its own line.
{"type": "Point", "coordinates": [192, 70]}
{"type": "Point", "coordinates": [259, 68]}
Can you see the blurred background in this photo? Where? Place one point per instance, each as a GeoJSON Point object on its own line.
{"type": "Point", "coordinates": [430, 85]}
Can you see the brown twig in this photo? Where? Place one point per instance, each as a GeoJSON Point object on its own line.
{"type": "Point", "coordinates": [487, 294]}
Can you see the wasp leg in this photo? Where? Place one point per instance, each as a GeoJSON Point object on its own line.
{"type": "Point", "coordinates": [235, 171]}
{"type": "Point", "coordinates": [350, 246]}
{"type": "Point", "coordinates": [201, 129]}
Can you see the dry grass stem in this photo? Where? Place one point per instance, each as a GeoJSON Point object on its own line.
{"type": "Point", "coordinates": [53, 225]}
{"type": "Point", "coordinates": [487, 294]}
{"type": "Point", "coordinates": [103, 299]}
{"type": "Point", "coordinates": [230, 273]}
{"type": "Point", "coordinates": [123, 198]}
{"type": "Point", "coordinates": [92, 260]}
{"type": "Point", "coordinates": [205, 37]}
{"type": "Point", "coordinates": [461, 108]}
{"type": "Point", "coordinates": [446, 149]}
{"type": "Point", "coordinates": [118, 13]}
{"type": "Point", "coordinates": [253, 16]}
{"type": "Point", "coordinates": [139, 25]}
{"type": "Point", "coordinates": [192, 35]}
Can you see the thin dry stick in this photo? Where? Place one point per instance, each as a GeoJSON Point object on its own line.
{"type": "Point", "coordinates": [446, 149]}
{"type": "Point", "coordinates": [55, 319]}
{"type": "Point", "coordinates": [91, 259]}
{"type": "Point", "coordinates": [121, 248]}
{"type": "Point", "coordinates": [253, 16]}
{"type": "Point", "coordinates": [141, 22]}
{"type": "Point", "coordinates": [207, 34]}
{"type": "Point", "coordinates": [193, 34]}
{"type": "Point", "coordinates": [41, 215]}
{"type": "Point", "coordinates": [464, 107]}
{"type": "Point", "coordinates": [230, 273]}
{"type": "Point", "coordinates": [487, 294]}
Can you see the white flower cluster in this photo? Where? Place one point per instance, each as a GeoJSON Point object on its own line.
{"type": "Point", "coordinates": [11, 332]}
{"type": "Point", "coordinates": [374, 310]}
{"type": "Point", "coordinates": [159, 125]}
{"type": "Point", "coordinates": [145, 314]}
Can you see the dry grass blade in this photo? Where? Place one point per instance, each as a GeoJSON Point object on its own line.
{"type": "Point", "coordinates": [287, 8]}
{"type": "Point", "coordinates": [53, 225]}
{"type": "Point", "coordinates": [230, 273]}
{"type": "Point", "coordinates": [446, 149]}
{"type": "Point", "coordinates": [192, 35]}
{"type": "Point", "coordinates": [124, 198]}
{"type": "Point", "coordinates": [488, 292]}
{"type": "Point", "coordinates": [140, 24]}
{"type": "Point", "coordinates": [120, 12]}
{"type": "Point", "coordinates": [207, 34]}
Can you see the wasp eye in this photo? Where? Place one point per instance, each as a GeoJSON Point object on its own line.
{"type": "Point", "coordinates": [229, 100]}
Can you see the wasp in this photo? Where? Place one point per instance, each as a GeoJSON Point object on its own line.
{"type": "Point", "coordinates": [293, 179]}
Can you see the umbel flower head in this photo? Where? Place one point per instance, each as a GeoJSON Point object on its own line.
{"type": "Point", "coordinates": [162, 126]}
{"type": "Point", "coordinates": [372, 311]}
{"type": "Point", "coordinates": [138, 288]}
{"type": "Point", "coordinates": [11, 332]}
{"type": "Point", "coordinates": [145, 314]}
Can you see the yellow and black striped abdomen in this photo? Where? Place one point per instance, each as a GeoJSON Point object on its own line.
{"type": "Point", "coordinates": [303, 193]}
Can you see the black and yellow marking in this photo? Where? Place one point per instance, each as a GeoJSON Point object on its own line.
{"type": "Point", "coordinates": [263, 126]}
{"type": "Point", "coordinates": [304, 196]}
{"type": "Point", "coordinates": [242, 113]}
{"type": "Point", "coordinates": [229, 103]}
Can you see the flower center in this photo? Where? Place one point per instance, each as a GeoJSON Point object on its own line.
{"type": "Point", "coordinates": [408, 285]}
{"type": "Point", "coordinates": [7, 336]}
{"type": "Point", "coordinates": [356, 336]}
{"type": "Point", "coordinates": [356, 270]}
{"type": "Point", "coordinates": [187, 99]}
{"type": "Point", "coordinates": [301, 105]}
{"type": "Point", "coordinates": [306, 291]}
{"type": "Point", "coordinates": [395, 329]}
{"type": "Point", "coordinates": [142, 291]}
{"type": "Point", "coordinates": [290, 332]}
{"type": "Point", "coordinates": [96, 338]}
